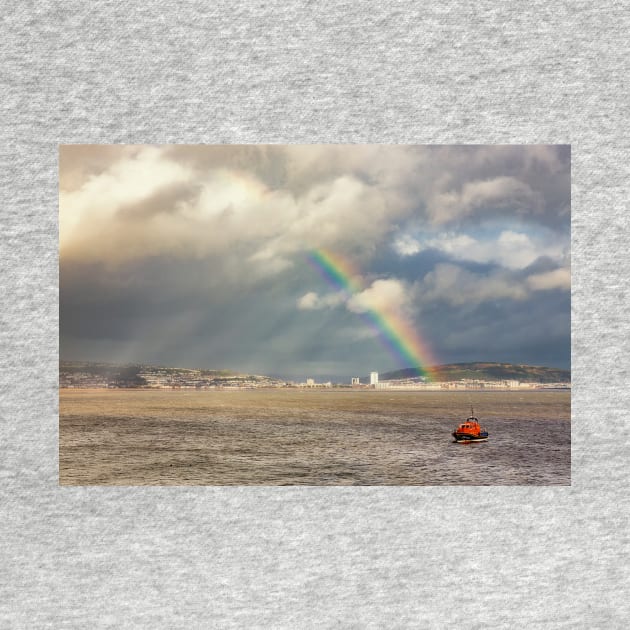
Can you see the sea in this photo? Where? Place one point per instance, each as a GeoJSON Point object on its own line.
{"type": "Point", "coordinates": [337, 437]}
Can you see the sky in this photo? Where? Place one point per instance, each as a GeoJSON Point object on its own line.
{"type": "Point", "coordinates": [317, 261]}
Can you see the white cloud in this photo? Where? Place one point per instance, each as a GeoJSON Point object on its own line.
{"type": "Point", "coordinates": [88, 212]}
{"type": "Point", "coordinates": [308, 301]}
{"type": "Point", "coordinates": [407, 245]}
{"type": "Point", "coordinates": [516, 250]}
{"type": "Point", "coordinates": [312, 301]}
{"type": "Point", "coordinates": [459, 246]}
{"type": "Point", "coordinates": [510, 249]}
{"type": "Point", "coordinates": [556, 279]}
{"type": "Point", "coordinates": [389, 295]}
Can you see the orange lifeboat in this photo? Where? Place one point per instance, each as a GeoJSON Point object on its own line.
{"type": "Point", "coordinates": [470, 431]}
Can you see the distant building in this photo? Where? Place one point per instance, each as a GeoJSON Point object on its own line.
{"type": "Point", "coordinates": [310, 382]}
{"type": "Point", "coordinates": [356, 381]}
{"type": "Point", "coordinates": [373, 378]}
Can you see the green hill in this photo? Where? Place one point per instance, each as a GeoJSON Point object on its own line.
{"type": "Point", "coordinates": [487, 372]}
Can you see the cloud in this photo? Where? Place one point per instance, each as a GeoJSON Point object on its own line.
{"type": "Point", "coordinates": [459, 246]}
{"type": "Point", "coordinates": [266, 263]}
{"type": "Point", "coordinates": [344, 213]}
{"type": "Point", "coordinates": [510, 249]}
{"type": "Point", "coordinates": [80, 162]}
{"type": "Point", "coordinates": [407, 245]}
{"type": "Point", "coordinates": [95, 219]}
{"type": "Point", "coordinates": [280, 200]}
{"type": "Point", "coordinates": [145, 204]}
{"type": "Point", "coordinates": [389, 295]}
{"type": "Point", "coordinates": [556, 279]}
{"type": "Point", "coordinates": [457, 286]}
{"type": "Point", "coordinates": [384, 295]}
{"type": "Point", "coordinates": [483, 196]}
{"type": "Point", "coordinates": [311, 301]}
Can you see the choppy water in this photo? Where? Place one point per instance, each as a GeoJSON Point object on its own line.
{"type": "Point", "coordinates": [294, 437]}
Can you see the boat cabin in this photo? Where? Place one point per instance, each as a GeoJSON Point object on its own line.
{"type": "Point", "coordinates": [471, 426]}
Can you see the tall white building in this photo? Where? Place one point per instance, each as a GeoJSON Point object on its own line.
{"type": "Point", "coordinates": [373, 378]}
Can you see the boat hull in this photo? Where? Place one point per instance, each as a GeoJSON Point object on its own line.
{"type": "Point", "coordinates": [462, 438]}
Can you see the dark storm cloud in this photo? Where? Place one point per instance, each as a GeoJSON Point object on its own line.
{"type": "Point", "coordinates": [154, 305]}
{"type": "Point", "coordinates": [533, 331]}
{"type": "Point", "coordinates": [115, 302]}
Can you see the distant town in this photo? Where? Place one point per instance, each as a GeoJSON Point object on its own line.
{"type": "Point", "coordinates": [486, 376]}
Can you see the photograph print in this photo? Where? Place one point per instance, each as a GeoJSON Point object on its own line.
{"type": "Point", "coordinates": [317, 315]}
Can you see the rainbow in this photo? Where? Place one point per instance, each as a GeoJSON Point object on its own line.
{"type": "Point", "coordinates": [396, 333]}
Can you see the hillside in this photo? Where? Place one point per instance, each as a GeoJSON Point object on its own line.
{"type": "Point", "coordinates": [488, 372]}
{"type": "Point", "coordinates": [87, 374]}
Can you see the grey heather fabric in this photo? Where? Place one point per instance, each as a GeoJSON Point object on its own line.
{"type": "Point", "coordinates": [397, 72]}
